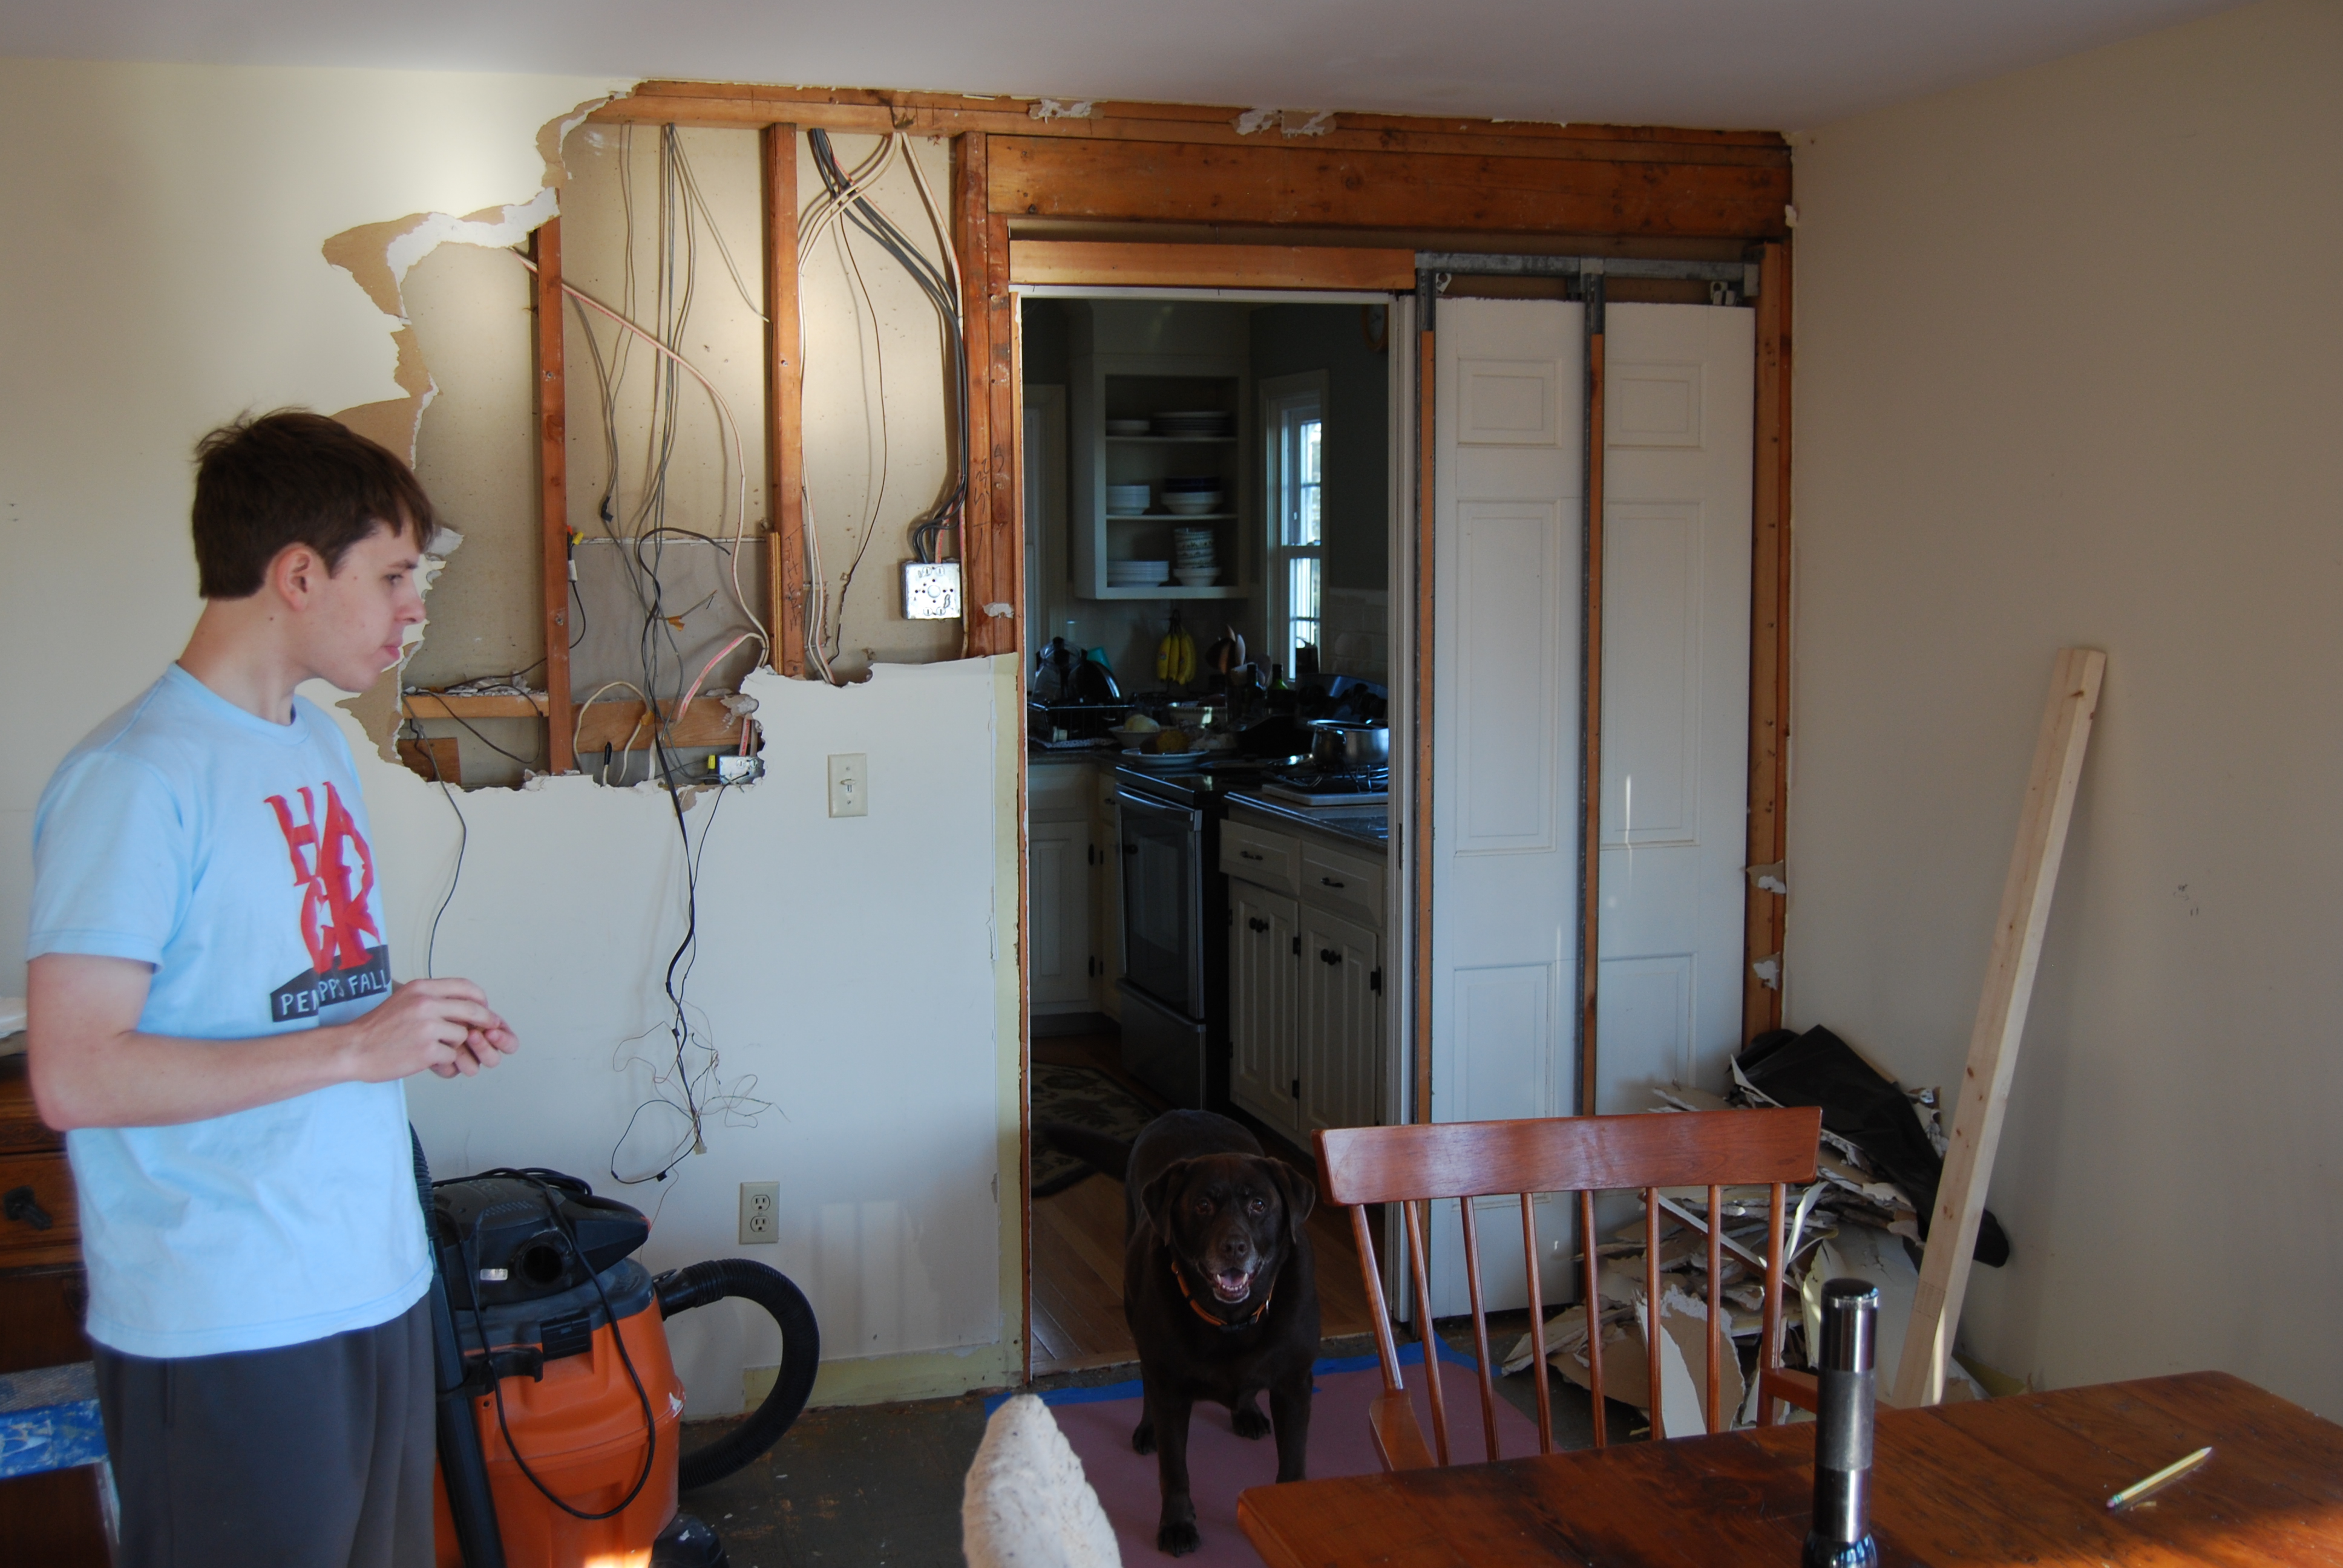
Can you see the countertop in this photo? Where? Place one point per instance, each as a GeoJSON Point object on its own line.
{"type": "Point", "coordinates": [1367, 825]}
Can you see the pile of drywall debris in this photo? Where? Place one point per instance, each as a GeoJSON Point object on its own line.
{"type": "Point", "coordinates": [1881, 1155]}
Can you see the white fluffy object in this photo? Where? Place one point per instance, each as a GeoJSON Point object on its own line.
{"type": "Point", "coordinates": [1027, 1504]}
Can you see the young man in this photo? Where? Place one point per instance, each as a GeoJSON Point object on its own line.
{"type": "Point", "coordinates": [215, 1028]}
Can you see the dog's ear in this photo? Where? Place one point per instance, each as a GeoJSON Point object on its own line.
{"type": "Point", "coordinates": [1155, 1198]}
{"type": "Point", "coordinates": [1301, 1194]}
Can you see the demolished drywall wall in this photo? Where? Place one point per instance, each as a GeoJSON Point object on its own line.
{"type": "Point", "coordinates": [853, 969]}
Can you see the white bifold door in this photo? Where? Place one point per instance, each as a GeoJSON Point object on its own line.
{"type": "Point", "coordinates": [1679, 385]}
{"type": "Point", "coordinates": [1509, 493]}
{"type": "Point", "coordinates": [1509, 496]}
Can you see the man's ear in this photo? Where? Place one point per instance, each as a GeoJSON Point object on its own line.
{"type": "Point", "coordinates": [1155, 1198]}
{"type": "Point", "coordinates": [295, 573]}
{"type": "Point", "coordinates": [1301, 1194]}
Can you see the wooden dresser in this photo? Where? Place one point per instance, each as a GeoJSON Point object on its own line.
{"type": "Point", "coordinates": [52, 1518]}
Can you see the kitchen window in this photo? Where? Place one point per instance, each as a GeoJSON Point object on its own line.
{"type": "Point", "coordinates": [1294, 429]}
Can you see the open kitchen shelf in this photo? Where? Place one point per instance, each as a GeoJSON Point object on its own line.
{"type": "Point", "coordinates": [1110, 385]}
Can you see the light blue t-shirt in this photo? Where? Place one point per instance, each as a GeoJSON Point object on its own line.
{"type": "Point", "coordinates": [231, 855]}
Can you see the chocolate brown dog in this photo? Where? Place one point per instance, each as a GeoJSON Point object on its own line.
{"type": "Point", "coordinates": [1218, 1287]}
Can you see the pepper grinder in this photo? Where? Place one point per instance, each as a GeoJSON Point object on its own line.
{"type": "Point", "coordinates": [1840, 1536]}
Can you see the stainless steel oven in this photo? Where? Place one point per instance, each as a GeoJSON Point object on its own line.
{"type": "Point", "coordinates": [1166, 1031]}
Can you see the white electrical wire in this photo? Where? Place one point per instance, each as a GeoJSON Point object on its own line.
{"type": "Point", "coordinates": [730, 425]}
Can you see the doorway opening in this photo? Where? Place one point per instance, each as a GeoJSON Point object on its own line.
{"type": "Point", "coordinates": [1215, 921]}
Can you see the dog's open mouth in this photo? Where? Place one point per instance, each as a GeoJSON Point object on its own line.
{"type": "Point", "coordinates": [1232, 1288]}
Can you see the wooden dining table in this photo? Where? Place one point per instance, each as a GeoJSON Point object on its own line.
{"type": "Point", "coordinates": [2024, 1479]}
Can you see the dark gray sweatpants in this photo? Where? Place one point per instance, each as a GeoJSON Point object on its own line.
{"type": "Point", "coordinates": [314, 1455]}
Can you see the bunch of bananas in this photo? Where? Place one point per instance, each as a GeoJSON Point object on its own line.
{"type": "Point", "coordinates": [1175, 656]}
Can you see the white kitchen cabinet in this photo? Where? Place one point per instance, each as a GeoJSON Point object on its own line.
{"type": "Point", "coordinates": [1264, 960]}
{"type": "Point", "coordinates": [1341, 1023]}
{"type": "Point", "coordinates": [1305, 982]}
{"type": "Point", "coordinates": [1068, 889]}
{"type": "Point", "coordinates": [1059, 881]}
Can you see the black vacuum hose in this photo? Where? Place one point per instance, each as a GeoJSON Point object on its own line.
{"type": "Point", "coordinates": [684, 1288]}
{"type": "Point", "coordinates": [463, 1467]}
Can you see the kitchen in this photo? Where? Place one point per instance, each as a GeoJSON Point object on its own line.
{"type": "Point", "coordinates": [1208, 513]}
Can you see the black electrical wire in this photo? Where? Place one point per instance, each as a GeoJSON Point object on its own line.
{"type": "Point", "coordinates": [463, 843]}
{"type": "Point", "coordinates": [497, 1384]}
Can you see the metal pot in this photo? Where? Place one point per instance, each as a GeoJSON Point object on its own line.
{"type": "Point", "coordinates": [1350, 747]}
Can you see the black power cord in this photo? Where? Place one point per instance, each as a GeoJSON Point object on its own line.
{"type": "Point", "coordinates": [546, 1189]}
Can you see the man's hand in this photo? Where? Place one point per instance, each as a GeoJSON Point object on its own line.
{"type": "Point", "coordinates": [445, 1025]}
{"type": "Point", "coordinates": [91, 1067]}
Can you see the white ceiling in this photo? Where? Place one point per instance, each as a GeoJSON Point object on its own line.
{"type": "Point", "coordinates": [1755, 63]}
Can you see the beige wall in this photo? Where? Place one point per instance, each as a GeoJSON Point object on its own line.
{"type": "Point", "coordinates": [162, 265]}
{"type": "Point", "coordinates": [2069, 368]}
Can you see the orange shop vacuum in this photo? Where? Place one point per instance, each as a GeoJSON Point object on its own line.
{"type": "Point", "coordinates": [560, 1409]}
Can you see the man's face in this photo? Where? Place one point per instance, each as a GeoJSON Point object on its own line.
{"type": "Point", "coordinates": [358, 618]}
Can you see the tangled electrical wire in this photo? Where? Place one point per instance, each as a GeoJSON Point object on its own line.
{"type": "Point", "coordinates": [845, 197]}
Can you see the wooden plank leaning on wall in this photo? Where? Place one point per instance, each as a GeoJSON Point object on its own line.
{"type": "Point", "coordinates": [1763, 919]}
{"type": "Point", "coordinates": [1590, 713]}
{"type": "Point", "coordinates": [553, 492]}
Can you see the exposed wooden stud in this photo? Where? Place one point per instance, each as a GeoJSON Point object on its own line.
{"type": "Point", "coordinates": [1765, 917]}
{"type": "Point", "coordinates": [1193, 182]}
{"type": "Point", "coordinates": [434, 757]}
{"type": "Point", "coordinates": [2050, 788]}
{"type": "Point", "coordinates": [992, 572]}
{"type": "Point", "coordinates": [553, 490]}
{"type": "Point", "coordinates": [1054, 261]}
{"type": "Point", "coordinates": [972, 236]}
{"type": "Point", "coordinates": [784, 403]}
{"type": "Point", "coordinates": [1590, 720]}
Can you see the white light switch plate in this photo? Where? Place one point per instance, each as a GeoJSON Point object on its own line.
{"type": "Point", "coordinates": [850, 784]}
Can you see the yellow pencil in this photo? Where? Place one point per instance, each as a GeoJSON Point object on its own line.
{"type": "Point", "coordinates": [2161, 1479]}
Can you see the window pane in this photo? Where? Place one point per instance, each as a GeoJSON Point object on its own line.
{"type": "Point", "coordinates": [1301, 604]}
{"type": "Point", "coordinates": [1307, 521]}
{"type": "Point", "coordinates": [1311, 430]}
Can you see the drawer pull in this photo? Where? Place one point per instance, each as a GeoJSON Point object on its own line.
{"type": "Point", "coordinates": [1249, 855]}
{"type": "Point", "coordinates": [20, 1205]}
{"type": "Point", "coordinates": [1331, 882]}
{"type": "Point", "coordinates": [1255, 924]}
{"type": "Point", "coordinates": [1329, 956]}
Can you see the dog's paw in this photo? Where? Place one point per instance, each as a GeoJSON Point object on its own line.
{"type": "Point", "coordinates": [1143, 1438]}
{"type": "Point", "coordinates": [1178, 1540]}
{"type": "Point", "coordinates": [1250, 1422]}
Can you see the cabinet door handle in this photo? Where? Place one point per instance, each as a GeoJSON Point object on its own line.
{"type": "Point", "coordinates": [22, 1206]}
{"type": "Point", "coordinates": [1329, 956]}
{"type": "Point", "coordinates": [1249, 855]}
{"type": "Point", "coordinates": [1255, 925]}
{"type": "Point", "coordinates": [1329, 882]}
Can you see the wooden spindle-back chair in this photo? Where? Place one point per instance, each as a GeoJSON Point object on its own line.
{"type": "Point", "coordinates": [1414, 1165]}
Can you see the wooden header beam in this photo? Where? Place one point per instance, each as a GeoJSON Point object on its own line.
{"type": "Point", "coordinates": [1053, 261]}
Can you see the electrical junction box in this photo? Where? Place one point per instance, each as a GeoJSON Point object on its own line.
{"type": "Point", "coordinates": [930, 590]}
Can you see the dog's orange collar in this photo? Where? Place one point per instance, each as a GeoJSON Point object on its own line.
{"type": "Point", "coordinates": [1218, 1323]}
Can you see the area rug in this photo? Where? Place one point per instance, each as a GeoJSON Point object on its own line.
{"type": "Point", "coordinates": [1086, 1098]}
{"type": "Point", "coordinates": [1098, 1422]}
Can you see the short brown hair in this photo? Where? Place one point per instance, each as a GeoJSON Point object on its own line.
{"type": "Point", "coordinates": [294, 478]}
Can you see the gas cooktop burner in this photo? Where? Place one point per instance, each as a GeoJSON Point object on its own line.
{"type": "Point", "coordinates": [1314, 787]}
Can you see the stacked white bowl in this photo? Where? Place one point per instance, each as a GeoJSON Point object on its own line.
{"type": "Point", "coordinates": [1193, 497]}
{"type": "Point", "coordinates": [1128, 500]}
{"type": "Point", "coordinates": [1195, 557]}
{"type": "Point", "coordinates": [1137, 574]}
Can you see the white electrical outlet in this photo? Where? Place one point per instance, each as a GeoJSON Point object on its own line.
{"type": "Point", "coordinates": [850, 784]}
{"type": "Point", "coordinates": [930, 590]}
{"type": "Point", "coordinates": [760, 1218]}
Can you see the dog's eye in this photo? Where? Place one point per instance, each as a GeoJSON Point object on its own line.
{"type": "Point", "coordinates": [1204, 1205]}
{"type": "Point", "coordinates": [1256, 1207]}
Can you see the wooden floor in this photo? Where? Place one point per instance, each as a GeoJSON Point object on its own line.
{"type": "Point", "coordinates": [1078, 1257]}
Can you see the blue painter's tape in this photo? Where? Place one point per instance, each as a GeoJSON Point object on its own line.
{"type": "Point", "coordinates": [49, 1420]}
{"type": "Point", "coordinates": [1410, 1355]}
